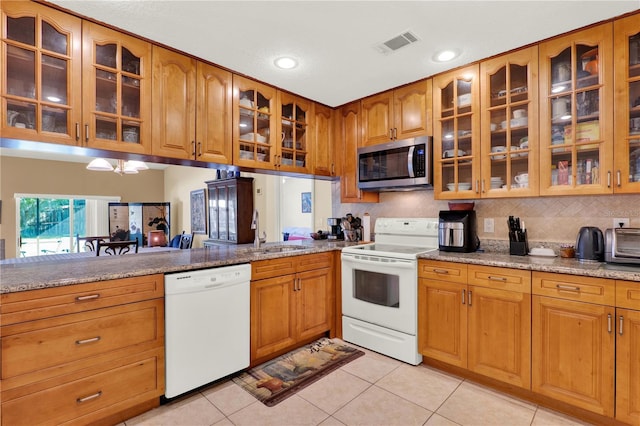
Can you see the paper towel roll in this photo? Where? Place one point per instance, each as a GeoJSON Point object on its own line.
{"type": "Point", "coordinates": [366, 227]}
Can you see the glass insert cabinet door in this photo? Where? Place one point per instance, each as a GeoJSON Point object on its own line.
{"type": "Point", "coordinates": [254, 124]}
{"type": "Point", "coordinates": [294, 118]}
{"type": "Point", "coordinates": [576, 127]}
{"type": "Point", "coordinates": [509, 124]}
{"type": "Point", "coordinates": [627, 104]}
{"type": "Point", "coordinates": [116, 90]}
{"type": "Point", "coordinates": [41, 56]}
{"type": "Point", "coordinates": [456, 134]}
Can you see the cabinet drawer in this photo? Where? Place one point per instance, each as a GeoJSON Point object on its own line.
{"type": "Point", "coordinates": [443, 271]}
{"type": "Point", "coordinates": [309, 262]}
{"type": "Point", "coordinates": [51, 346]}
{"type": "Point", "coordinates": [628, 294]}
{"type": "Point", "coordinates": [36, 304]}
{"type": "Point", "coordinates": [500, 278]}
{"type": "Point", "coordinates": [574, 287]}
{"type": "Point", "coordinates": [136, 379]}
{"type": "Point", "coordinates": [273, 267]}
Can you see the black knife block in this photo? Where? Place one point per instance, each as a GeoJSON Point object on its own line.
{"type": "Point", "coordinates": [519, 248]}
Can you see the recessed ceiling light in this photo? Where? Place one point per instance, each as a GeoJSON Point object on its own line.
{"type": "Point", "coordinates": [286, 63]}
{"type": "Point", "coordinates": [446, 55]}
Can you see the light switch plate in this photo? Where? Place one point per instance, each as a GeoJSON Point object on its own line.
{"type": "Point", "coordinates": [489, 225]}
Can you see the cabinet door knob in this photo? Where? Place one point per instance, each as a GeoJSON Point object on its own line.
{"type": "Point", "coordinates": [609, 179]}
{"type": "Point", "coordinates": [618, 178]}
{"type": "Point", "coordinates": [609, 323]}
{"type": "Point", "coordinates": [621, 325]}
{"type": "Point", "coordinates": [77, 132]}
{"type": "Point", "coordinates": [86, 133]}
{"type": "Point", "coordinates": [470, 294]}
{"type": "Point", "coordinates": [463, 294]}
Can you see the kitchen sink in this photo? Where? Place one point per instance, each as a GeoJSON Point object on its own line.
{"type": "Point", "coordinates": [273, 249]}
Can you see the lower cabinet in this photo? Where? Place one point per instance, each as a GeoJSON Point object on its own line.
{"type": "Point", "coordinates": [82, 353]}
{"type": "Point", "coordinates": [292, 301]}
{"type": "Point", "coordinates": [476, 317]}
{"type": "Point", "coordinates": [628, 352]}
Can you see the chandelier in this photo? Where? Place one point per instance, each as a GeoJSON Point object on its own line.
{"type": "Point", "coordinates": [122, 167]}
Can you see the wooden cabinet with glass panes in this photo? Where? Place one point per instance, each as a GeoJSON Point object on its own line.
{"type": "Point", "coordinates": [324, 163]}
{"type": "Point", "coordinates": [626, 53]}
{"type": "Point", "coordinates": [397, 114]}
{"type": "Point", "coordinates": [509, 128]}
{"type": "Point", "coordinates": [295, 141]}
{"type": "Point", "coordinates": [116, 90]}
{"type": "Point", "coordinates": [456, 134]}
{"type": "Point", "coordinates": [191, 108]}
{"type": "Point", "coordinates": [255, 143]}
{"type": "Point", "coordinates": [41, 73]}
{"type": "Point", "coordinates": [576, 113]}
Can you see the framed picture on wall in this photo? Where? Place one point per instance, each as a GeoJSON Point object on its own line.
{"type": "Point", "coordinates": [306, 202]}
{"type": "Point", "coordinates": [198, 212]}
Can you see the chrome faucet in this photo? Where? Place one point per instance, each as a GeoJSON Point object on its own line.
{"type": "Point", "coordinates": [255, 224]}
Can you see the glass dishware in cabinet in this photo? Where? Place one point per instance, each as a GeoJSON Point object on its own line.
{"type": "Point", "coordinates": [509, 124]}
{"type": "Point", "coordinates": [42, 63]}
{"type": "Point", "coordinates": [576, 134]}
{"type": "Point", "coordinates": [627, 104]}
{"type": "Point", "coordinates": [117, 93]}
{"type": "Point", "coordinates": [254, 124]}
{"type": "Point", "coordinates": [293, 130]}
{"type": "Point", "coordinates": [456, 131]}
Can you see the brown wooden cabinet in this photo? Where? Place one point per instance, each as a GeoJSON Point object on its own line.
{"type": "Point", "coordinates": [349, 118]}
{"type": "Point", "coordinates": [191, 108]}
{"type": "Point", "coordinates": [456, 134]}
{"type": "Point", "coordinates": [576, 113]}
{"type": "Point", "coordinates": [230, 210]}
{"type": "Point", "coordinates": [82, 353]}
{"type": "Point", "coordinates": [476, 317]}
{"type": "Point", "coordinates": [294, 125]}
{"type": "Point", "coordinates": [509, 124]}
{"type": "Point", "coordinates": [41, 74]}
{"type": "Point", "coordinates": [627, 352]}
{"type": "Point", "coordinates": [397, 114]}
{"type": "Point", "coordinates": [573, 340]}
{"type": "Point", "coordinates": [292, 301]}
{"type": "Point", "coordinates": [324, 162]}
{"type": "Point", "coordinates": [255, 142]}
{"type": "Point", "coordinates": [116, 90]}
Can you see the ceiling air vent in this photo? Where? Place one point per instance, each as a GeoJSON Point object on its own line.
{"type": "Point", "coordinates": [397, 42]}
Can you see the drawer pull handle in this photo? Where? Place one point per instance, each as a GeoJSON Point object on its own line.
{"type": "Point", "coordinates": [567, 287]}
{"type": "Point", "coordinates": [492, 278]}
{"type": "Point", "coordinates": [87, 297]}
{"type": "Point", "coordinates": [440, 271]}
{"type": "Point", "coordinates": [621, 324]}
{"type": "Point", "coordinates": [89, 397]}
{"type": "Point", "coordinates": [85, 341]}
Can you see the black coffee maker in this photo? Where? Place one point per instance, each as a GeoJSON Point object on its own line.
{"type": "Point", "coordinates": [335, 228]}
{"type": "Point", "coordinates": [457, 231]}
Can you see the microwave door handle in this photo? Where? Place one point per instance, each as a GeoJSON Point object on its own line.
{"type": "Point", "coordinates": [410, 162]}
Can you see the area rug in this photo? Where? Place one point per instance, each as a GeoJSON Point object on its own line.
{"type": "Point", "coordinates": [278, 379]}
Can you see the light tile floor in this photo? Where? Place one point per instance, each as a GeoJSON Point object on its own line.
{"type": "Point", "coordinates": [371, 390]}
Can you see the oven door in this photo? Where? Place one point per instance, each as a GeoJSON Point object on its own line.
{"type": "Point", "coordinates": [380, 290]}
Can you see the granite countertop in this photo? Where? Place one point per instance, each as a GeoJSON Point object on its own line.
{"type": "Point", "coordinates": [23, 276]}
{"type": "Point", "coordinates": [538, 263]}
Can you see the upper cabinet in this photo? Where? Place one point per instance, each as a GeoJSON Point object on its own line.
{"type": "Point", "coordinates": [626, 53]}
{"type": "Point", "coordinates": [397, 114]}
{"type": "Point", "coordinates": [255, 142]}
{"type": "Point", "coordinates": [456, 134]}
{"type": "Point", "coordinates": [41, 76]}
{"type": "Point", "coordinates": [295, 136]}
{"type": "Point", "coordinates": [116, 90]}
{"type": "Point", "coordinates": [576, 113]}
{"type": "Point", "coordinates": [509, 127]}
{"type": "Point", "coordinates": [191, 108]}
{"type": "Point", "coordinates": [324, 163]}
{"type": "Point", "coordinates": [349, 137]}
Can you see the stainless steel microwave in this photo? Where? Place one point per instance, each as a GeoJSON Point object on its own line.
{"type": "Point", "coordinates": [396, 166]}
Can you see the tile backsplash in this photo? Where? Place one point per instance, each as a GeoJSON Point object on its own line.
{"type": "Point", "coordinates": [548, 219]}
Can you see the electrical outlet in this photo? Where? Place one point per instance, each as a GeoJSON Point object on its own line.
{"type": "Point", "coordinates": [621, 222]}
{"type": "Point", "coordinates": [489, 225]}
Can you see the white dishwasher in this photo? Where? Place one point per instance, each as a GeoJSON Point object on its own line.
{"type": "Point", "coordinates": [206, 326]}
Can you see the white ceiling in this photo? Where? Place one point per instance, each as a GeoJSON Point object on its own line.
{"type": "Point", "coordinates": [334, 40]}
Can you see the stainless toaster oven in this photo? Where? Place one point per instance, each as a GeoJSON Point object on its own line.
{"type": "Point", "coordinates": [622, 245]}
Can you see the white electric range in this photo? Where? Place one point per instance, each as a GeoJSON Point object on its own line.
{"type": "Point", "coordinates": [380, 287]}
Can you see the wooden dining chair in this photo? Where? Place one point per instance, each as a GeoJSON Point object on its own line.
{"type": "Point", "coordinates": [116, 247]}
{"type": "Point", "coordinates": [89, 243]}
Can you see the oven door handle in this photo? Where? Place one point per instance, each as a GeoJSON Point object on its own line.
{"type": "Point", "coordinates": [373, 260]}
